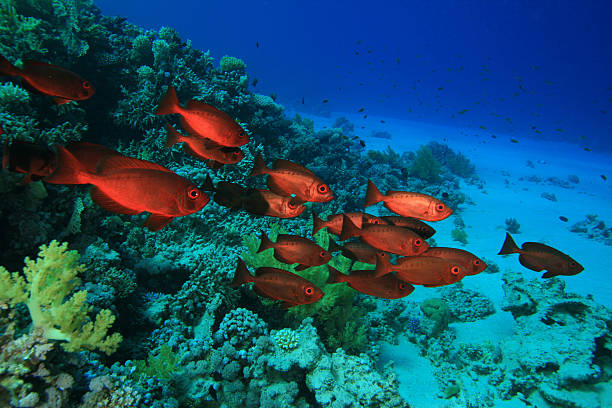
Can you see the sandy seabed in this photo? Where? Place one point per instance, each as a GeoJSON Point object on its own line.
{"type": "Point", "coordinates": [502, 165]}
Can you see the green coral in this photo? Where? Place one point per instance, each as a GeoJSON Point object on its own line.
{"type": "Point", "coordinates": [60, 314]}
{"type": "Point", "coordinates": [437, 310]}
{"type": "Point", "coordinates": [229, 64]}
{"type": "Point", "coordinates": [163, 364]}
{"type": "Point", "coordinates": [425, 166]}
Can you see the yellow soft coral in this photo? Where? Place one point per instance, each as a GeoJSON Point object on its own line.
{"type": "Point", "coordinates": [46, 291]}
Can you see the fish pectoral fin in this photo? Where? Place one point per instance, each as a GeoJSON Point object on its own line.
{"type": "Point", "coordinates": [287, 305]}
{"type": "Point", "coordinates": [60, 101]}
{"type": "Point", "coordinates": [548, 274]}
{"type": "Point", "coordinates": [275, 187]}
{"type": "Point", "coordinates": [301, 267]}
{"type": "Point", "coordinates": [155, 222]}
{"type": "Point", "coordinates": [108, 203]}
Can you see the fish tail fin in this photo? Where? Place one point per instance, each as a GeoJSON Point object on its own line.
{"type": "Point", "coordinates": [259, 167]}
{"type": "Point", "coordinates": [373, 195]}
{"type": "Point", "coordinates": [335, 276]}
{"type": "Point", "coordinates": [317, 223]}
{"type": "Point", "coordinates": [169, 103]}
{"type": "Point", "coordinates": [383, 265]}
{"type": "Point", "coordinates": [67, 169]}
{"type": "Point", "coordinates": [208, 184]}
{"type": "Point", "coordinates": [509, 246]}
{"type": "Point", "coordinates": [173, 136]}
{"type": "Point", "coordinates": [266, 243]}
{"type": "Point", "coordinates": [8, 69]}
{"type": "Point", "coordinates": [349, 229]}
{"type": "Point", "coordinates": [242, 275]}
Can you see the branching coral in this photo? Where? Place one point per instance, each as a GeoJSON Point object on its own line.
{"type": "Point", "coordinates": [54, 309]}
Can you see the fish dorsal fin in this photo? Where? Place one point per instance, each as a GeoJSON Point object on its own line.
{"type": "Point", "coordinates": [34, 63]}
{"type": "Point", "coordinates": [108, 203]}
{"type": "Point", "coordinates": [261, 293]}
{"type": "Point", "coordinates": [536, 246]}
{"type": "Point", "coordinates": [155, 222]}
{"type": "Point", "coordinates": [282, 164]}
{"type": "Point", "coordinates": [124, 162]}
{"type": "Point", "coordinates": [203, 106]}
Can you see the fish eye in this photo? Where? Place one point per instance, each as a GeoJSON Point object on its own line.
{"type": "Point", "coordinates": [455, 270]}
{"type": "Point", "coordinates": [242, 133]}
{"type": "Point", "coordinates": [322, 188]}
{"type": "Point", "coordinates": [291, 205]}
{"type": "Point", "coordinates": [86, 85]}
{"type": "Point", "coordinates": [572, 264]}
{"type": "Point", "coordinates": [418, 242]}
{"type": "Point", "coordinates": [477, 262]}
{"type": "Point", "coordinates": [402, 285]}
{"type": "Point", "coordinates": [323, 254]}
{"type": "Point", "coordinates": [193, 193]}
{"type": "Point", "coordinates": [309, 291]}
{"type": "Point", "coordinates": [440, 207]}
{"type": "Point", "coordinates": [375, 222]}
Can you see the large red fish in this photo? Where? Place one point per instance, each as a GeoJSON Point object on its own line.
{"type": "Point", "coordinates": [292, 249]}
{"type": "Point", "coordinates": [334, 221]}
{"type": "Point", "coordinates": [472, 265]}
{"type": "Point", "coordinates": [63, 85]}
{"type": "Point", "coordinates": [291, 179]}
{"type": "Point", "coordinates": [278, 284]}
{"type": "Point", "coordinates": [125, 185]}
{"type": "Point", "coordinates": [199, 118]}
{"type": "Point", "coordinates": [417, 226]}
{"type": "Point", "coordinates": [388, 286]}
{"type": "Point", "coordinates": [421, 270]}
{"type": "Point", "coordinates": [539, 257]}
{"type": "Point", "coordinates": [33, 160]}
{"type": "Point", "coordinates": [204, 149]}
{"type": "Point", "coordinates": [409, 204]}
{"type": "Point", "coordinates": [388, 238]}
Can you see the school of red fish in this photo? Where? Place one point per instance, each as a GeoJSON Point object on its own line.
{"type": "Point", "coordinates": [396, 245]}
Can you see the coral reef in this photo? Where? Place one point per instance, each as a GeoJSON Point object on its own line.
{"type": "Point", "coordinates": [593, 228]}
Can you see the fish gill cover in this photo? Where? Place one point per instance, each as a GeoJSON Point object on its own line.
{"type": "Point", "coordinates": [199, 278]}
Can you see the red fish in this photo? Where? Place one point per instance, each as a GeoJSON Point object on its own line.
{"type": "Point", "coordinates": [125, 185]}
{"type": "Point", "coordinates": [199, 118]}
{"type": "Point", "coordinates": [472, 265]}
{"type": "Point", "coordinates": [255, 201]}
{"type": "Point", "coordinates": [415, 225]}
{"type": "Point", "coordinates": [356, 251]}
{"type": "Point", "coordinates": [388, 238]}
{"type": "Point", "coordinates": [90, 154]}
{"type": "Point", "coordinates": [278, 284]}
{"type": "Point", "coordinates": [35, 161]}
{"type": "Point", "coordinates": [538, 257]}
{"type": "Point", "coordinates": [388, 286]}
{"type": "Point", "coordinates": [204, 149]}
{"type": "Point", "coordinates": [292, 249]}
{"type": "Point", "coordinates": [334, 221]}
{"type": "Point", "coordinates": [63, 85]}
{"type": "Point", "coordinates": [288, 178]}
{"type": "Point", "coordinates": [409, 204]}
{"type": "Point", "coordinates": [421, 270]}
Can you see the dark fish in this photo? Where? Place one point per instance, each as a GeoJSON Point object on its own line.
{"type": "Point", "coordinates": [33, 160]}
{"type": "Point", "coordinates": [382, 121]}
{"type": "Point", "coordinates": [538, 257]}
{"type": "Point", "coordinates": [603, 176]}
{"type": "Point", "coordinates": [386, 287]}
{"type": "Point", "coordinates": [325, 100]}
{"type": "Point", "coordinates": [278, 284]}
{"type": "Point", "coordinates": [302, 100]}
{"type": "Point", "coordinates": [562, 218]}
{"type": "Point", "coordinates": [362, 143]}
{"type": "Point", "coordinates": [361, 110]}
{"type": "Point", "coordinates": [411, 223]}
{"type": "Point", "coordinates": [63, 85]}
{"type": "Point", "coordinates": [257, 44]}
{"type": "Point", "coordinates": [255, 80]}
{"type": "Point", "coordinates": [356, 251]}
{"type": "Point", "coordinates": [513, 141]}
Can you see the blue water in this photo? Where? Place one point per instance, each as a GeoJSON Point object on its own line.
{"type": "Point", "coordinates": [516, 67]}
